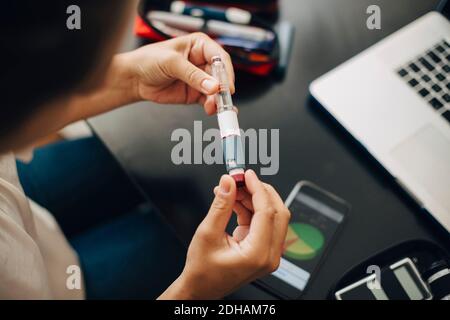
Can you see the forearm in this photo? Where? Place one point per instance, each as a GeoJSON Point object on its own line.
{"type": "Point", "coordinates": [178, 290]}
{"type": "Point", "coordinates": [117, 89]}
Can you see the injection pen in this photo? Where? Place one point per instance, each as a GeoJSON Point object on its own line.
{"type": "Point", "coordinates": [228, 123]}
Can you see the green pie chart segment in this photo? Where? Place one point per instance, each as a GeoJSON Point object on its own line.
{"type": "Point", "coordinates": [303, 241]}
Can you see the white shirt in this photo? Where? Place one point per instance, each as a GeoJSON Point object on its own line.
{"type": "Point", "coordinates": [34, 254]}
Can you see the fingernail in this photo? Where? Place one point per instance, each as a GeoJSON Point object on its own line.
{"type": "Point", "coordinates": [209, 85]}
{"type": "Point", "coordinates": [224, 185]}
{"type": "Point", "coordinates": [252, 174]}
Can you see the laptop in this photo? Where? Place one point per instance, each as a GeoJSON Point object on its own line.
{"type": "Point", "coordinates": [394, 98]}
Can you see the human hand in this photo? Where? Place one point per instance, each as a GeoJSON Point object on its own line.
{"type": "Point", "coordinates": [176, 71]}
{"type": "Point", "coordinates": [218, 263]}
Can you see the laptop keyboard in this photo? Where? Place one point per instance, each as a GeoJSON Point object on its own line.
{"type": "Point", "coordinates": [429, 76]}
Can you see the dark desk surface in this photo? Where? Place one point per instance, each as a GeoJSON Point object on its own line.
{"type": "Point", "coordinates": [328, 32]}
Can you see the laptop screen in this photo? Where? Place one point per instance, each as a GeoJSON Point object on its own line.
{"type": "Point", "coordinates": [444, 7]}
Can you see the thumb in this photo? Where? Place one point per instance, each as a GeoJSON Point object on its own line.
{"type": "Point", "coordinates": [222, 206]}
{"type": "Point", "coordinates": [193, 76]}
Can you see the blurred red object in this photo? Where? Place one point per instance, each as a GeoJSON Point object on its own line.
{"type": "Point", "coordinates": [145, 30]}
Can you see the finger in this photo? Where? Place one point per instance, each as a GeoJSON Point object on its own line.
{"type": "Point", "coordinates": [281, 222]}
{"type": "Point", "coordinates": [195, 77]}
{"type": "Point", "coordinates": [260, 198]}
{"type": "Point", "coordinates": [241, 193]}
{"type": "Point", "coordinates": [260, 234]}
{"type": "Point", "coordinates": [244, 216]}
{"type": "Point", "coordinates": [207, 68]}
{"type": "Point", "coordinates": [240, 233]}
{"type": "Point", "coordinates": [222, 207]}
{"type": "Point", "coordinates": [278, 202]}
{"type": "Point", "coordinates": [204, 49]}
{"type": "Point", "coordinates": [202, 100]}
{"type": "Point", "coordinates": [210, 105]}
{"type": "Point", "coordinates": [245, 198]}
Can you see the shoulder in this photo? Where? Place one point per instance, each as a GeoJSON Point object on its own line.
{"type": "Point", "coordinates": [22, 269]}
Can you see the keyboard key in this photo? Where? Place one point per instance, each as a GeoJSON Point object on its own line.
{"type": "Point", "coordinates": [426, 64]}
{"type": "Point", "coordinates": [446, 97]}
{"type": "Point", "coordinates": [426, 78]}
{"type": "Point", "coordinates": [448, 57]}
{"type": "Point", "coordinates": [448, 86]}
{"type": "Point", "coordinates": [446, 68]}
{"type": "Point", "coordinates": [403, 73]}
{"type": "Point", "coordinates": [446, 44]}
{"type": "Point", "coordinates": [440, 49]}
{"type": "Point", "coordinates": [440, 77]}
{"type": "Point", "coordinates": [434, 57]}
{"type": "Point", "coordinates": [414, 67]}
{"type": "Point", "coordinates": [424, 92]}
{"type": "Point", "coordinates": [446, 115]}
{"type": "Point", "coordinates": [413, 82]}
{"type": "Point", "coordinates": [435, 103]}
{"type": "Point", "coordinates": [437, 88]}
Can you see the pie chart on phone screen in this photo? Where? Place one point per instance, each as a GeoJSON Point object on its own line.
{"type": "Point", "coordinates": [303, 241]}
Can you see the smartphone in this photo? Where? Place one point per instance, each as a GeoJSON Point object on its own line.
{"type": "Point", "coordinates": [316, 217]}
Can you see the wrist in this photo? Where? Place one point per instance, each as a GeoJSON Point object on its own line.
{"type": "Point", "coordinates": [180, 289]}
{"type": "Point", "coordinates": [124, 77]}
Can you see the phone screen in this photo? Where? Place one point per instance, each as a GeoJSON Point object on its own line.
{"type": "Point", "coordinates": [316, 217]}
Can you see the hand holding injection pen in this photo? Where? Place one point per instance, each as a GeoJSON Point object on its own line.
{"type": "Point", "coordinates": [228, 123]}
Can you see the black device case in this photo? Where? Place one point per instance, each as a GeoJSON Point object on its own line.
{"type": "Point", "coordinates": [422, 252]}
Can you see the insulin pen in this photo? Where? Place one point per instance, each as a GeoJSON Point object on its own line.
{"type": "Point", "coordinates": [233, 15]}
{"type": "Point", "coordinates": [228, 123]}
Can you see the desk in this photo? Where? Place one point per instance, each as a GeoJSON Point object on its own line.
{"type": "Point", "coordinates": [328, 32]}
